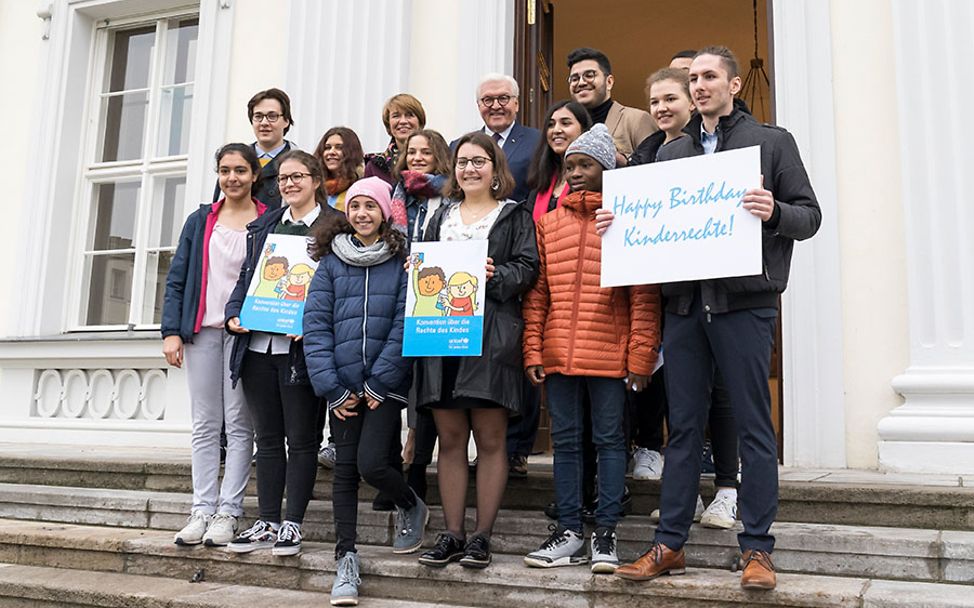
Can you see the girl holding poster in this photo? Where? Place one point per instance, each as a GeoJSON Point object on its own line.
{"type": "Point", "coordinates": [478, 394]}
{"type": "Point", "coordinates": [203, 272]}
{"type": "Point", "coordinates": [275, 380]}
{"type": "Point", "coordinates": [353, 327]}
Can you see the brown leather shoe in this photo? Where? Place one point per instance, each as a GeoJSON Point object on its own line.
{"type": "Point", "coordinates": [655, 562]}
{"type": "Point", "coordinates": [758, 570]}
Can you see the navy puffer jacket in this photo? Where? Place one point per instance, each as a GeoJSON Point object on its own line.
{"type": "Point", "coordinates": [353, 324]}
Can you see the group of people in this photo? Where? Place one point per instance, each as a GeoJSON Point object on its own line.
{"type": "Point", "coordinates": [536, 198]}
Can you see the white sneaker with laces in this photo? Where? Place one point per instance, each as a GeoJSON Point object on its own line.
{"type": "Point", "coordinates": [697, 512]}
{"type": "Point", "coordinates": [647, 464]}
{"type": "Point", "coordinates": [563, 548]}
{"type": "Point", "coordinates": [222, 529]}
{"type": "Point", "coordinates": [192, 533]}
{"type": "Point", "coordinates": [722, 512]}
{"type": "Point", "coordinates": [288, 539]}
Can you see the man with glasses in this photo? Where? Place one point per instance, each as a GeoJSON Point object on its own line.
{"type": "Point", "coordinates": [590, 83]}
{"type": "Point", "coordinates": [497, 100]}
{"type": "Point", "coordinates": [270, 116]}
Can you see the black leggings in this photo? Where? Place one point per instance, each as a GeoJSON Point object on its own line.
{"type": "Point", "coordinates": [281, 411]}
{"type": "Point", "coordinates": [423, 443]}
{"type": "Point", "coordinates": [371, 459]}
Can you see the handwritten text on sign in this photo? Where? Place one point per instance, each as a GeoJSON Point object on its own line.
{"type": "Point", "coordinates": [682, 220]}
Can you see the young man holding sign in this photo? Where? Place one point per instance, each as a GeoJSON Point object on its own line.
{"type": "Point", "coordinates": [728, 323]}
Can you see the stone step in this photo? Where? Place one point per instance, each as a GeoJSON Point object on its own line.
{"type": "Point", "coordinates": [41, 587]}
{"type": "Point", "coordinates": [893, 553]}
{"type": "Point", "coordinates": [836, 497]}
{"type": "Point", "coordinates": [507, 582]}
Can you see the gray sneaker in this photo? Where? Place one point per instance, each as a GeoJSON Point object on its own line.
{"type": "Point", "coordinates": [326, 456]}
{"type": "Point", "coordinates": [344, 591]}
{"type": "Point", "coordinates": [604, 558]}
{"type": "Point", "coordinates": [410, 527]}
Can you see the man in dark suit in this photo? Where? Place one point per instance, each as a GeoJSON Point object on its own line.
{"type": "Point", "coordinates": [497, 100]}
{"type": "Point", "coordinates": [270, 115]}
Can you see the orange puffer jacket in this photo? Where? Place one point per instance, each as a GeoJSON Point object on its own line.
{"type": "Point", "coordinates": [573, 326]}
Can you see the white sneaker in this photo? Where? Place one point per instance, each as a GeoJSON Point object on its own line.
{"type": "Point", "coordinates": [604, 558]}
{"type": "Point", "coordinates": [721, 513]}
{"type": "Point", "coordinates": [192, 533]}
{"type": "Point", "coordinates": [326, 456]}
{"type": "Point", "coordinates": [288, 539]}
{"type": "Point", "coordinates": [697, 512]}
{"type": "Point", "coordinates": [647, 464]}
{"type": "Point", "coordinates": [222, 529]}
{"type": "Point", "coordinates": [563, 548]}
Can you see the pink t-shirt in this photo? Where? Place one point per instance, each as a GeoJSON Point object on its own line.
{"type": "Point", "coordinates": [228, 248]}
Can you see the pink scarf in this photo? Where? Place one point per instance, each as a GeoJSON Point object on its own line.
{"type": "Point", "coordinates": [542, 200]}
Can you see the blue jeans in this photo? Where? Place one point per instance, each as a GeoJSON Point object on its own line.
{"type": "Point", "coordinates": [608, 398]}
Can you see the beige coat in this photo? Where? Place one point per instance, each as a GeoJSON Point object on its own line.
{"type": "Point", "coordinates": [629, 127]}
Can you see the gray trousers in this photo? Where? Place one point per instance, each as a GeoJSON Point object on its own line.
{"type": "Point", "coordinates": [214, 405]}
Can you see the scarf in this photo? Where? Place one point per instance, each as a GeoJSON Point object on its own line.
{"type": "Point", "coordinates": [543, 199]}
{"type": "Point", "coordinates": [386, 159]}
{"type": "Point", "coordinates": [337, 185]}
{"type": "Point", "coordinates": [415, 187]}
{"type": "Point", "coordinates": [355, 254]}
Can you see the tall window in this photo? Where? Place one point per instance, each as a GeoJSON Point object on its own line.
{"type": "Point", "coordinates": [135, 169]}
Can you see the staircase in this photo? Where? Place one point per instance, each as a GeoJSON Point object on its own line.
{"type": "Point", "coordinates": [94, 528]}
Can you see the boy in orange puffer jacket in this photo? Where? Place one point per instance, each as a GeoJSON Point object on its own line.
{"type": "Point", "coordinates": [580, 337]}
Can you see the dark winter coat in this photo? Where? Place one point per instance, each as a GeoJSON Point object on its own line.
{"type": "Point", "coordinates": [797, 215]}
{"type": "Point", "coordinates": [497, 374]}
{"type": "Point", "coordinates": [257, 232]}
{"type": "Point", "coordinates": [353, 324]}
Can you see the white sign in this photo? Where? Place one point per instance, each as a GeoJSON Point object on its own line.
{"type": "Point", "coordinates": [682, 220]}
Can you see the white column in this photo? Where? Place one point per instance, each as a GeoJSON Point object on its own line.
{"type": "Point", "coordinates": [344, 60]}
{"type": "Point", "coordinates": [811, 315]}
{"type": "Point", "coordinates": [934, 430]}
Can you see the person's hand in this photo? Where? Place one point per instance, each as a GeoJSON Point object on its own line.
{"type": "Point", "coordinates": [603, 219]}
{"type": "Point", "coordinates": [759, 202]}
{"type": "Point", "coordinates": [621, 160]}
{"type": "Point", "coordinates": [346, 409]}
{"type": "Point", "coordinates": [172, 348]}
{"type": "Point", "coordinates": [295, 337]}
{"type": "Point", "coordinates": [372, 402]}
{"type": "Point", "coordinates": [535, 374]}
{"type": "Point", "coordinates": [490, 268]}
{"type": "Point", "coordinates": [234, 326]}
{"type": "Point", "coordinates": [637, 382]}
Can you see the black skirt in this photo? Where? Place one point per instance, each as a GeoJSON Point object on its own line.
{"type": "Point", "coordinates": [451, 366]}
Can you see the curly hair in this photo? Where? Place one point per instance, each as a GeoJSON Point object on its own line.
{"type": "Point", "coordinates": [337, 223]}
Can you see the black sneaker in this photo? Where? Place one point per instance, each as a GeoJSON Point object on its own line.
{"type": "Point", "coordinates": [447, 548]}
{"type": "Point", "coordinates": [477, 553]}
{"type": "Point", "coordinates": [551, 511]}
{"type": "Point", "coordinates": [517, 466]}
{"type": "Point", "coordinates": [588, 511]}
{"type": "Point", "coordinates": [288, 540]}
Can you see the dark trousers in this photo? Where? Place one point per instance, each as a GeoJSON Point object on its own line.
{"type": "Point", "coordinates": [738, 344]}
{"type": "Point", "coordinates": [522, 432]}
{"type": "Point", "coordinates": [566, 405]}
{"type": "Point", "coordinates": [281, 411]}
{"type": "Point", "coordinates": [424, 441]}
{"type": "Point", "coordinates": [367, 458]}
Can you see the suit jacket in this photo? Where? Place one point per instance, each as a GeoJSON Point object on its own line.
{"type": "Point", "coordinates": [265, 190]}
{"type": "Point", "coordinates": [629, 127]}
{"type": "Point", "coordinates": [519, 150]}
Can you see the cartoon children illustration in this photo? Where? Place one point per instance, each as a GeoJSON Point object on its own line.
{"type": "Point", "coordinates": [462, 299]}
{"type": "Point", "coordinates": [271, 277]}
{"type": "Point", "coordinates": [428, 283]}
{"type": "Point", "coordinates": [296, 284]}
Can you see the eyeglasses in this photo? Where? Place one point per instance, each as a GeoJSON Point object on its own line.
{"type": "Point", "coordinates": [478, 162]}
{"type": "Point", "coordinates": [587, 76]}
{"type": "Point", "coordinates": [503, 100]}
{"type": "Point", "coordinates": [271, 117]}
{"type": "Point", "coordinates": [294, 177]}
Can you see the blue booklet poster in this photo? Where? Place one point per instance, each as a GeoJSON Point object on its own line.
{"type": "Point", "coordinates": [445, 300]}
{"type": "Point", "coordinates": [275, 298]}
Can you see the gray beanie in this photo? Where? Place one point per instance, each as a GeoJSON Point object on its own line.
{"type": "Point", "coordinates": [597, 143]}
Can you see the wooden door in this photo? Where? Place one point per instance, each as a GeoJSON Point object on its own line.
{"type": "Point", "coordinates": [533, 51]}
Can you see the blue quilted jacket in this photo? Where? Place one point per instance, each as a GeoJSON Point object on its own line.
{"type": "Point", "coordinates": [353, 324]}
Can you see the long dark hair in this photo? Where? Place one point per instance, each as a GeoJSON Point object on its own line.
{"type": "Point", "coordinates": [441, 153]}
{"type": "Point", "coordinates": [351, 149]}
{"type": "Point", "coordinates": [545, 164]}
{"type": "Point", "coordinates": [244, 150]}
{"type": "Point", "coordinates": [502, 172]}
{"type": "Point", "coordinates": [337, 223]}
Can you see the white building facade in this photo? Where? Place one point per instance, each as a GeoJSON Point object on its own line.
{"type": "Point", "coordinates": [116, 107]}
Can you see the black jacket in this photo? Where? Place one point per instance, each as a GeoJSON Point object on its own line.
{"type": "Point", "coordinates": [797, 215]}
{"type": "Point", "coordinates": [497, 374]}
{"type": "Point", "coordinates": [266, 189]}
{"type": "Point", "coordinates": [257, 232]}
